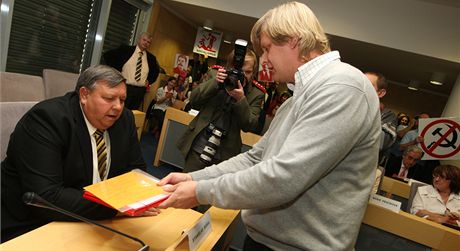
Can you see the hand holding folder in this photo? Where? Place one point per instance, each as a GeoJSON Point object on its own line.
{"type": "Point", "coordinates": [130, 193]}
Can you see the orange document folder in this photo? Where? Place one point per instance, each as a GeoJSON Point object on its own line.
{"type": "Point", "coordinates": [130, 193]}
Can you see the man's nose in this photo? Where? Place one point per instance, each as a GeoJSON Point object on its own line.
{"type": "Point", "coordinates": [118, 104]}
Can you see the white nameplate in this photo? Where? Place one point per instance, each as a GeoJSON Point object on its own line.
{"type": "Point", "coordinates": [385, 202]}
{"type": "Point", "coordinates": [193, 112]}
{"type": "Point", "coordinates": [199, 232]}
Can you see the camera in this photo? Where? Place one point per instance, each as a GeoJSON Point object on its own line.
{"type": "Point", "coordinates": [236, 73]}
{"type": "Point", "coordinates": [212, 144]}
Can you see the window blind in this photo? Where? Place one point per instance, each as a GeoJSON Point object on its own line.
{"type": "Point", "coordinates": [47, 34]}
{"type": "Point", "coordinates": [121, 25]}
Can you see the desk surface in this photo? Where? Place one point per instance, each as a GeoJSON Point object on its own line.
{"type": "Point", "coordinates": [158, 232]}
{"type": "Point", "coordinates": [395, 187]}
{"type": "Point", "coordinates": [412, 227]}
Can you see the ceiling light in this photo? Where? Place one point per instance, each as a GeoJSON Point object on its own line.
{"type": "Point", "coordinates": [413, 85]}
{"type": "Point", "coordinates": [207, 24]}
{"type": "Point", "coordinates": [438, 78]}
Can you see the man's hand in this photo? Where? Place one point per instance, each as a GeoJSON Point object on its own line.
{"type": "Point", "coordinates": [174, 178]}
{"type": "Point", "coordinates": [183, 195]}
{"type": "Point", "coordinates": [221, 75]}
{"type": "Point", "coordinates": [237, 93]}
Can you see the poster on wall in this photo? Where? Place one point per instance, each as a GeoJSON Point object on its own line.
{"type": "Point", "coordinates": [441, 138]}
{"type": "Point", "coordinates": [180, 65]}
{"type": "Point", "coordinates": [265, 74]}
{"type": "Point", "coordinates": [207, 42]}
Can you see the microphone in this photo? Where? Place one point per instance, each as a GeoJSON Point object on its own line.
{"type": "Point", "coordinates": [35, 200]}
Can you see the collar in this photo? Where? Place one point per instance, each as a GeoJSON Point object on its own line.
{"type": "Point", "coordinates": [306, 71]}
{"type": "Point", "coordinates": [91, 128]}
{"type": "Point", "coordinates": [433, 193]}
{"type": "Point", "coordinates": [137, 50]}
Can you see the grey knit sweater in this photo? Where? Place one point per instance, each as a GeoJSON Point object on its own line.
{"type": "Point", "coordinates": [306, 183]}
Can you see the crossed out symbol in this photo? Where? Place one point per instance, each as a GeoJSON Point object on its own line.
{"type": "Point", "coordinates": [443, 140]}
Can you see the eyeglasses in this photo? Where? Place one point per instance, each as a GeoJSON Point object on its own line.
{"type": "Point", "coordinates": [439, 176]}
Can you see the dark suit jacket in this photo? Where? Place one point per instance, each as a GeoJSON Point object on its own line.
{"type": "Point", "coordinates": [116, 58]}
{"type": "Point", "coordinates": [394, 165]}
{"type": "Point", "coordinates": [49, 153]}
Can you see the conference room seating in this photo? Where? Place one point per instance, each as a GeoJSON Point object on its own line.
{"type": "Point", "coordinates": [10, 113]}
{"type": "Point", "coordinates": [379, 174]}
{"type": "Point", "coordinates": [21, 87]}
{"type": "Point", "coordinates": [413, 190]}
{"type": "Point", "coordinates": [57, 83]}
{"type": "Point", "coordinates": [151, 95]}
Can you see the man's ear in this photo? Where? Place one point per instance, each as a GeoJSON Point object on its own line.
{"type": "Point", "coordinates": [84, 92]}
{"type": "Point", "coordinates": [381, 93]}
{"type": "Point", "coordinates": [293, 42]}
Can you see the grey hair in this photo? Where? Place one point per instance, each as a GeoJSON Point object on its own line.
{"type": "Point", "coordinates": [413, 148]}
{"type": "Point", "coordinates": [90, 76]}
{"type": "Point", "coordinates": [145, 34]}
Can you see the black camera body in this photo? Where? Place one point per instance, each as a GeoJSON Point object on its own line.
{"type": "Point", "coordinates": [236, 72]}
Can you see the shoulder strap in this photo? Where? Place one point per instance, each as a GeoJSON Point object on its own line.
{"type": "Point", "coordinates": [259, 86]}
{"type": "Point", "coordinates": [217, 67]}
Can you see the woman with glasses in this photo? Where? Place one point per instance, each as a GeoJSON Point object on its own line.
{"type": "Point", "coordinates": [440, 202]}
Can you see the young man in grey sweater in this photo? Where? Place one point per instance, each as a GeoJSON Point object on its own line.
{"type": "Point", "coordinates": [306, 183]}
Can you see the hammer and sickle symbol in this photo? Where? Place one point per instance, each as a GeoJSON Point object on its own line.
{"type": "Point", "coordinates": [449, 143]}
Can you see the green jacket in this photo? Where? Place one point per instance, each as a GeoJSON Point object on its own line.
{"type": "Point", "coordinates": [208, 99]}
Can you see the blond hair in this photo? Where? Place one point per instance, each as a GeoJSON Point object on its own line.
{"type": "Point", "coordinates": [292, 20]}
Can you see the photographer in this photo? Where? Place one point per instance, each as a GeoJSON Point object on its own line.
{"type": "Point", "coordinates": [228, 110]}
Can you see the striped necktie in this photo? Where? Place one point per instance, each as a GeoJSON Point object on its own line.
{"type": "Point", "coordinates": [138, 67]}
{"type": "Point", "coordinates": [101, 153]}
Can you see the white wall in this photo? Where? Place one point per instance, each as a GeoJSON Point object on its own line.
{"type": "Point", "coordinates": [452, 109]}
{"type": "Point", "coordinates": [418, 26]}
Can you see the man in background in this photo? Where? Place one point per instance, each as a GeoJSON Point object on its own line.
{"type": "Point", "coordinates": [388, 134]}
{"type": "Point", "coordinates": [406, 167]}
{"type": "Point", "coordinates": [138, 66]}
{"type": "Point", "coordinates": [228, 111]}
{"type": "Point", "coordinates": [305, 185]}
{"type": "Point", "coordinates": [64, 144]}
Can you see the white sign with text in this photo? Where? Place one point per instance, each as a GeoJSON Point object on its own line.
{"type": "Point", "coordinates": [387, 203]}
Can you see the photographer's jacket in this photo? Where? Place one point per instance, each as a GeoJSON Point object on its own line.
{"type": "Point", "coordinates": [210, 100]}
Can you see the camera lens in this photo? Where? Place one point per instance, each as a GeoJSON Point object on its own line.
{"type": "Point", "coordinates": [209, 150]}
{"type": "Point", "coordinates": [213, 139]}
{"type": "Point", "coordinates": [206, 159]}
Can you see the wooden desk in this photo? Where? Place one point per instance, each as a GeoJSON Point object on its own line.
{"type": "Point", "coordinates": [139, 119]}
{"type": "Point", "coordinates": [158, 232]}
{"type": "Point", "coordinates": [412, 227]}
{"type": "Point", "coordinates": [395, 187]}
{"type": "Point", "coordinates": [184, 118]}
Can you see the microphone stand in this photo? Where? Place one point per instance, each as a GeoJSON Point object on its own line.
{"type": "Point", "coordinates": [35, 200]}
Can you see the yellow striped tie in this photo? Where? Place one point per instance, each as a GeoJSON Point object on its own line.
{"type": "Point", "coordinates": [137, 76]}
{"type": "Point", "coordinates": [101, 153]}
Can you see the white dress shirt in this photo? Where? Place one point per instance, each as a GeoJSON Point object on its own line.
{"type": "Point", "coordinates": [92, 130]}
{"type": "Point", "coordinates": [129, 68]}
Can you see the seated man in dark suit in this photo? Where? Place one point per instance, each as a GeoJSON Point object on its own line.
{"type": "Point", "coordinates": [53, 152]}
{"type": "Point", "coordinates": [406, 165]}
